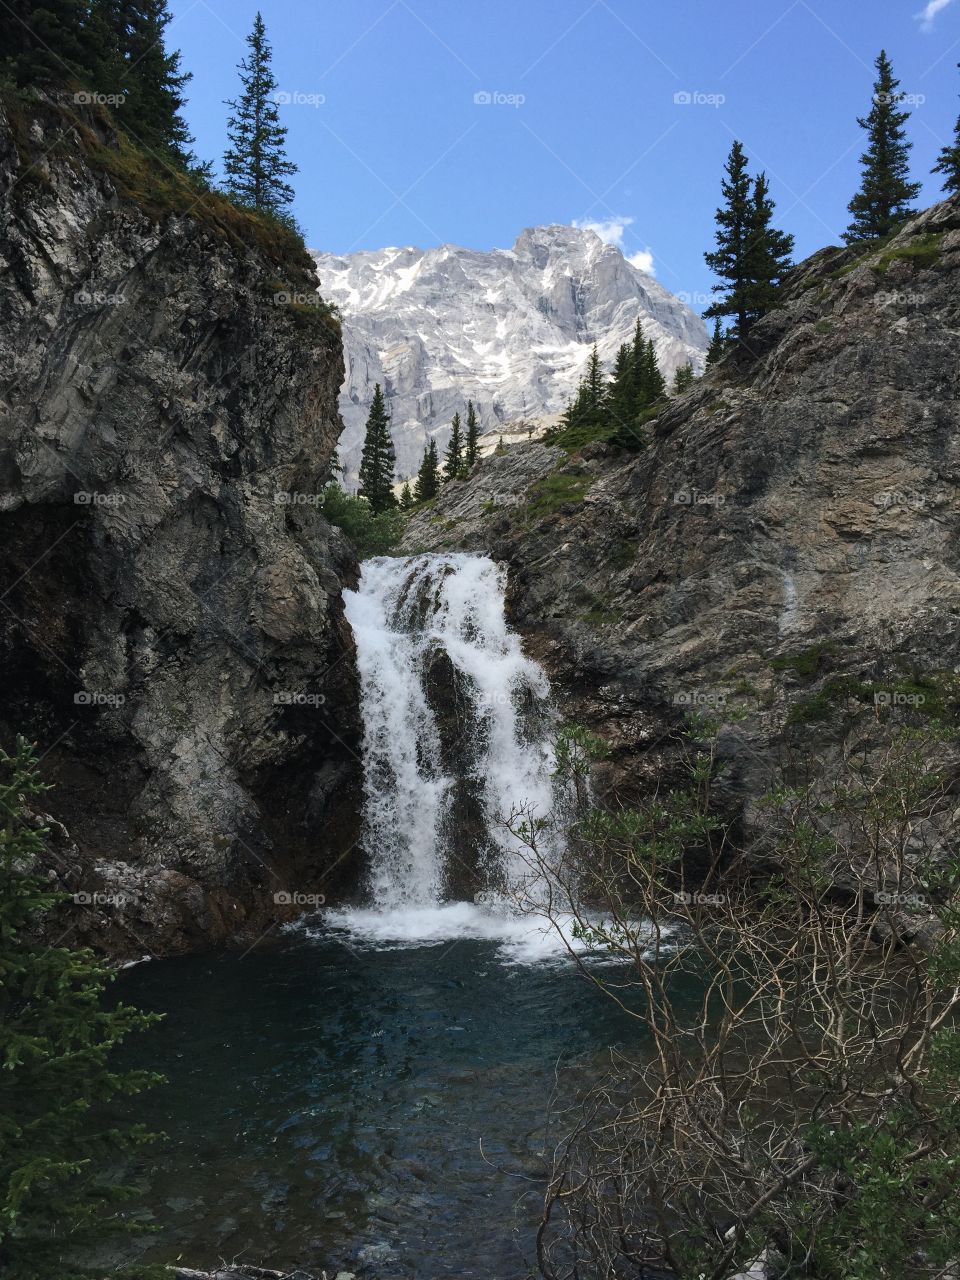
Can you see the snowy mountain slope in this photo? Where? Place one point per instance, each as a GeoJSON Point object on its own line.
{"type": "Point", "coordinates": [510, 329]}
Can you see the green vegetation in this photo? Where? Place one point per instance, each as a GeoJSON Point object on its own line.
{"type": "Point", "coordinates": [718, 343]}
{"type": "Point", "coordinates": [923, 251]}
{"type": "Point", "coordinates": [615, 410]}
{"type": "Point", "coordinates": [428, 477]}
{"type": "Point", "coordinates": [255, 162]}
{"type": "Point", "coordinates": [106, 50]}
{"type": "Point", "coordinates": [803, 1105]}
{"type": "Point", "coordinates": [372, 533]}
{"type": "Point", "coordinates": [471, 449]}
{"type": "Point", "coordinates": [453, 459]}
{"type": "Point", "coordinates": [883, 202]}
{"type": "Point", "coordinates": [751, 255]}
{"type": "Point", "coordinates": [948, 162]}
{"type": "Point", "coordinates": [60, 1192]}
{"type": "Point", "coordinates": [377, 460]}
{"type": "Point", "coordinates": [558, 490]}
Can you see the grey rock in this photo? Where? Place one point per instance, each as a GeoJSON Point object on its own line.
{"type": "Point", "coordinates": [172, 628]}
{"type": "Point", "coordinates": [510, 329]}
{"type": "Point", "coordinates": [800, 498]}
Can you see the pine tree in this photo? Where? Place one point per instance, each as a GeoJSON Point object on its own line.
{"type": "Point", "coordinates": [428, 477]}
{"type": "Point", "coordinates": [594, 385]}
{"type": "Point", "coordinates": [377, 459]}
{"type": "Point", "coordinates": [638, 362]}
{"type": "Point", "coordinates": [654, 382]}
{"type": "Point", "coordinates": [406, 497]}
{"type": "Point", "coordinates": [453, 459]}
{"type": "Point", "coordinates": [621, 405]}
{"type": "Point", "coordinates": [717, 346]}
{"type": "Point", "coordinates": [47, 43]}
{"type": "Point", "coordinates": [152, 80]}
{"type": "Point", "coordinates": [767, 255]}
{"type": "Point", "coordinates": [255, 162]}
{"type": "Point", "coordinates": [948, 162]}
{"type": "Point", "coordinates": [884, 199]}
{"type": "Point", "coordinates": [683, 378]}
{"type": "Point", "coordinates": [60, 1194]}
{"type": "Point", "coordinates": [728, 260]}
{"type": "Point", "coordinates": [472, 448]}
{"type": "Point", "coordinates": [501, 447]}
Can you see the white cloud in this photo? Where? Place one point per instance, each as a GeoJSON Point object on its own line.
{"type": "Point", "coordinates": [611, 231]}
{"type": "Point", "coordinates": [931, 9]}
{"type": "Point", "coordinates": [643, 261]}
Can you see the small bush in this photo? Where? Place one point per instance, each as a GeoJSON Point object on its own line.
{"type": "Point", "coordinates": [372, 535]}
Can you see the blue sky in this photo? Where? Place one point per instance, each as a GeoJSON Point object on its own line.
{"type": "Point", "coordinates": [584, 122]}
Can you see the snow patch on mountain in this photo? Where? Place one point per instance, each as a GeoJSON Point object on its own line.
{"type": "Point", "coordinates": [510, 329]}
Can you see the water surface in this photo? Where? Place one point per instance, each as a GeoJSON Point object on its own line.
{"type": "Point", "coordinates": [375, 1107]}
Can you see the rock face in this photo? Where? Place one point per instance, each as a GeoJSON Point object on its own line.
{"type": "Point", "coordinates": [510, 329]}
{"type": "Point", "coordinates": [171, 627]}
{"type": "Point", "coordinates": [783, 552]}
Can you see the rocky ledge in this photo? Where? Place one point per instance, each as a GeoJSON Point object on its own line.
{"type": "Point", "coordinates": [781, 551]}
{"type": "Point", "coordinates": [171, 627]}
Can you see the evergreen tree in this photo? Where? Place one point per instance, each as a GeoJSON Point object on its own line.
{"type": "Point", "coordinates": [151, 78]}
{"type": "Point", "coordinates": [501, 447]}
{"type": "Point", "coordinates": [683, 378]}
{"type": "Point", "coordinates": [728, 260]}
{"type": "Point", "coordinates": [46, 43]}
{"type": "Point", "coordinates": [621, 404]}
{"type": "Point", "coordinates": [717, 344]}
{"type": "Point", "coordinates": [654, 383]}
{"type": "Point", "coordinates": [377, 459]}
{"type": "Point", "coordinates": [948, 162]}
{"type": "Point", "coordinates": [453, 459]}
{"type": "Point", "coordinates": [594, 385]}
{"type": "Point", "coordinates": [59, 1189]}
{"type": "Point", "coordinates": [638, 363]}
{"type": "Point", "coordinates": [255, 162]}
{"type": "Point", "coordinates": [406, 497]}
{"type": "Point", "coordinates": [767, 254]}
{"type": "Point", "coordinates": [472, 448]}
{"type": "Point", "coordinates": [428, 477]}
{"type": "Point", "coordinates": [885, 195]}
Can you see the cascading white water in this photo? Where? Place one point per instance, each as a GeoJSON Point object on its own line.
{"type": "Point", "coordinates": [410, 616]}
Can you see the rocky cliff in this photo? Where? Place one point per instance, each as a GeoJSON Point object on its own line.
{"type": "Point", "coordinates": [782, 554]}
{"type": "Point", "coordinates": [510, 329]}
{"type": "Point", "coordinates": [171, 626]}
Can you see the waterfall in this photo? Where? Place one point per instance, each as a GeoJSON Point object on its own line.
{"type": "Point", "coordinates": [456, 730]}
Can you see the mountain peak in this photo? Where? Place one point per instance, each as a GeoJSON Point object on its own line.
{"type": "Point", "coordinates": [510, 329]}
